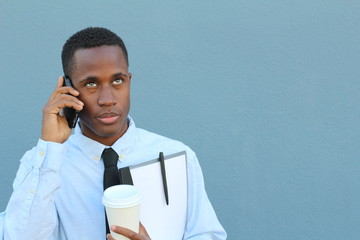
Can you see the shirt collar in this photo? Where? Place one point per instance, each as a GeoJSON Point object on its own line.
{"type": "Point", "coordinates": [94, 149]}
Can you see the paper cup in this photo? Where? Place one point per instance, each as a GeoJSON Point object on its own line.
{"type": "Point", "coordinates": [122, 204]}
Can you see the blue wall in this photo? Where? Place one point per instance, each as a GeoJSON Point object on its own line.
{"type": "Point", "coordinates": [265, 92]}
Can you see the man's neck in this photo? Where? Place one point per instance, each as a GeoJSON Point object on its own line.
{"type": "Point", "coordinates": [105, 140]}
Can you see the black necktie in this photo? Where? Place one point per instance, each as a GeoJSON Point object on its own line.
{"type": "Point", "coordinates": [112, 175]}
{"type": "Point", "coordinates": [111, 172]}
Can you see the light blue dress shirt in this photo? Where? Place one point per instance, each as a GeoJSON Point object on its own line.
{"type": "Point", "coordinates": [58, 188]}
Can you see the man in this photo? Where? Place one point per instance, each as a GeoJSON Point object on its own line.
{"type": "Point", "coordinates": [59, 185]}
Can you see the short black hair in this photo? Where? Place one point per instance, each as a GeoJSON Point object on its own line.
{"type": "Point", "coordinates": [88, 38]}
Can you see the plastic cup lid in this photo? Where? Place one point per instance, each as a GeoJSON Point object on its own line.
{"type": "Point", "coordinates": [121, 196]}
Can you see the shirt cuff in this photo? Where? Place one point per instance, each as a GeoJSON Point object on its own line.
{"type": "Point", "coordinates": [49, 155]}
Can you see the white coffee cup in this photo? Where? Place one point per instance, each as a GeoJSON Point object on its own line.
{"type": "Point", "coordinates": [122, 203]}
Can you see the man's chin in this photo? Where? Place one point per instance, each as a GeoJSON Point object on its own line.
{"type": "Point", "coordinates": [103, 132]}
{"type": "Point", "coordinates": [110, 131]}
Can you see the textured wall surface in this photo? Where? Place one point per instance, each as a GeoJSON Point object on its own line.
{"type": "Point", "coordinates": [265, 92]}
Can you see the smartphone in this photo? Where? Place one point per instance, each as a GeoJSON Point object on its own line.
{"type": "Point", "coordinates": [70, 114]}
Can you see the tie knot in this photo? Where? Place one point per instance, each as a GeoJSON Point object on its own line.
{"type": "Point", "coordinates": [109, 157]}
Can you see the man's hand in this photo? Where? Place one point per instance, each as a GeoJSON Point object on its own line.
{"type": "Point", "coordinates": [142, 235]}
{"type": "Point", "coordinates": [54, 126]}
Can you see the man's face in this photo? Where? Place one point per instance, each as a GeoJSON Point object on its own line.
{"type": "Point", "coordinates": [101, 76]}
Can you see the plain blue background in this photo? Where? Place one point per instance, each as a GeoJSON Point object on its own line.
{"type": "Point", "coordinates": [265, 92]}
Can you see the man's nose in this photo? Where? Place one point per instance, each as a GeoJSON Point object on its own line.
{"type": "Point", "coordinates": [106, 96]}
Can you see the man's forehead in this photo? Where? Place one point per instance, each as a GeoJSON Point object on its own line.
{"type": "Point", "coordinates": [96, 58]}
{"type": "Point", "coordinates": [100, 50]}
{"type": "Point", "coordinates": [98, 54]}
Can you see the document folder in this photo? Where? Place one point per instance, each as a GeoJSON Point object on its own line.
{"type": "Point", "coordinates": [162, 221]}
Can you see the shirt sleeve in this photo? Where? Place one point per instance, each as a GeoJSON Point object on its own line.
{"type": "Point", "coordinates": [2, 218]}
{"type": "Point", "coordinates": [31, 213]}
{"type": "Point", "coordinates": [202, 222]}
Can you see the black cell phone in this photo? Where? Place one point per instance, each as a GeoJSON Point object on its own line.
{"type": "Point", "coordinates": [70, 114]}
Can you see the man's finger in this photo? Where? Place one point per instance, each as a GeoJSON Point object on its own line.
{"type": "Point", "coordinates": [142, 235]}
{"type": "Point", "coordinates": [60, 82]}
{"type": "Point", "coordinates": [109, 237]}
{"type": "Point", "coordinates": [142, 230]}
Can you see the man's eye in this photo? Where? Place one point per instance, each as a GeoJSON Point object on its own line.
{"type": "Point", "coordinates": [90, 84]}
{"type": "Point", "coordinates": [118, 81]}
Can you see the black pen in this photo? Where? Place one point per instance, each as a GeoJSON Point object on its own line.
{"type": "Point", "coordinates": [163, 174]}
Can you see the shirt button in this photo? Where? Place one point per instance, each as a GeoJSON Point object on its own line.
{"type": "Point", "coordinates": [32, 191]}
{"type": "Point", "coordinates": [96, 158]}
{"type": "Point", "coordinates": [121, 156]}
{"type": "Point", "coordinates": [41, 153]}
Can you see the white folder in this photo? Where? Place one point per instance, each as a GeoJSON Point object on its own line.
{"type": "Point", "coordinates": [162, 221]}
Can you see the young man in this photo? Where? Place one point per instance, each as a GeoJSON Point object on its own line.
{"type": "Point", "coordinates": [59, 185]}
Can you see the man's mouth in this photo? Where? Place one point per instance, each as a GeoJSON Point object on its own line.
{"type": "Point", "coordinates": [108, 117]}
